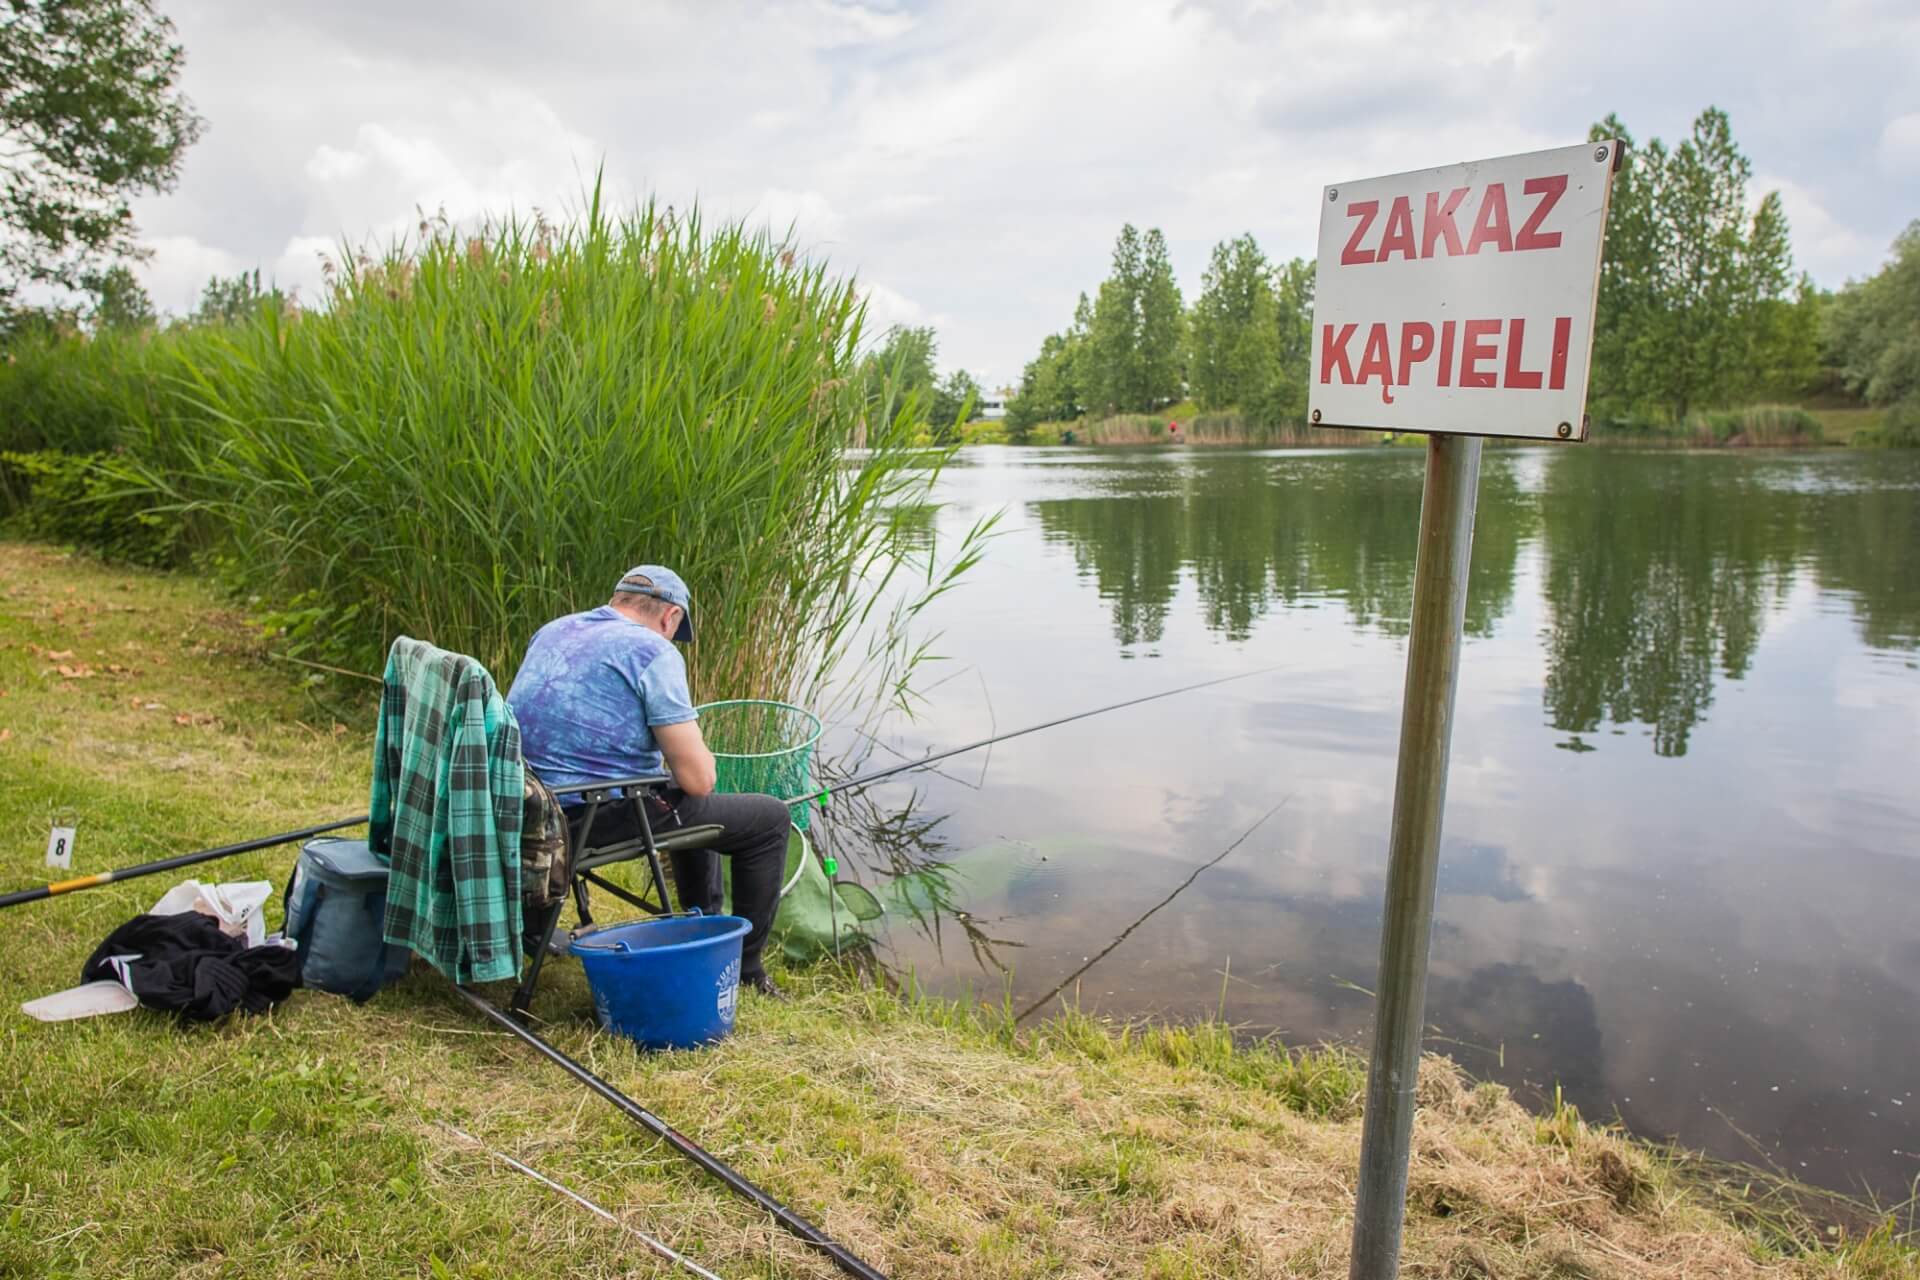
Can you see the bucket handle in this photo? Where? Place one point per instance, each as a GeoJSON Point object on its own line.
{"type": "Point", "coordinates": [620, 947]}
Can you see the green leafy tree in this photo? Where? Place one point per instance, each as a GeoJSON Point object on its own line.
{"type": "Point", "coordinates": [1697, 295]}
{"type": "Point", "coordinates": [120, 305]}
{"type": "Point", "coordinates": [952, 404]}
{"type": "Point", "coordinates": [1113, 340]}
{"type": "Point", "coordinates": [900, 368]}
{"type": "Point", "coordinates": [232, 300]}
{"type": "Point", "coordinates": [1050, 385]}
{"type": "Point", "coordinates": [1873, 328]}
{"type": "Point", "coordinates": [92, 118]}
{"type": "Point", "coordinates": [1133, 340]}
{"type": "Point", "coordinates": [1286, 398]}
{"type": "Point", "coordinates": [1162, 322]}
{"type": "Point", "coordinates": [1234, 333]}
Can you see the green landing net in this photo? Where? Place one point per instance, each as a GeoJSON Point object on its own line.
{"type": "Point", "coordinates": [762, 746]}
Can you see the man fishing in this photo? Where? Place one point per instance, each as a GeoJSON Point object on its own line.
{"type": "Point", "coordinates": [602, 695]}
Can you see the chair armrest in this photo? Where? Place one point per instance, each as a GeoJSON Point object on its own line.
{"type": "Point", "coordinates": [603, 785]}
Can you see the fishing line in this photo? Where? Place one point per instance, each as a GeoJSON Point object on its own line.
{"type": "Point", "coordinates": [1178, 889]}
{"type": "Point", "coordinates": [921, 762]}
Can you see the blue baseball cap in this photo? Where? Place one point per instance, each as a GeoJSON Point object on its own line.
{"type": "Point", "coordinates": [662, 584]}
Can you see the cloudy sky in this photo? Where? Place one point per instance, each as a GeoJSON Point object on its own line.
{"type": "Point", "coordinates": [971, 162]}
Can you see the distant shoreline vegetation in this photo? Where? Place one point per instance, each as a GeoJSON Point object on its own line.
{"type": "Point", "coordinates": [1706, 335]}
{"type": "Point", "coordinates": [1755, 426]}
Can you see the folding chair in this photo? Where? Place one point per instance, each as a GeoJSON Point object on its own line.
{"type": "Point", "coordinates": [585, 859]}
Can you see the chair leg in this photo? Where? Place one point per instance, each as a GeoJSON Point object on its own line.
{"type": "Point", "coordinates": [580, 900]}
{"type": "Point", "coordinates": [523, 995]}
{"type": "Point", "coordinates": [573, 865]}
{"type": "Point", "coordinates": [653, 854]}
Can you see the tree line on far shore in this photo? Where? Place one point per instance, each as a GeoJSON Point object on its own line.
{"type": "Point", "coordinates": [1700, 308]}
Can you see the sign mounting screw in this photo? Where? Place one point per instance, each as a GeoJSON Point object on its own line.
{"type": "Point", "coordinates": [1333, 193]}
{"type": "Point", "coordinates": [1316, 415]}
{"type": "Point", "coordinates": [1565, 429]}
{"type": "Point", "coordinates": [1599, 153]}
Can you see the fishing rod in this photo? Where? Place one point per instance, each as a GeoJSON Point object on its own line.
{"type": "Point", "coordinates": [921, 762]}
{"type": "Point", "coordinates": [793, 1222]}
{"type": "Point", "coordinates": [19, 896]}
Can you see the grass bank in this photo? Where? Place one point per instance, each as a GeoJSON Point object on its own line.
{"type": "Point", "coordinates": [932, 1137]}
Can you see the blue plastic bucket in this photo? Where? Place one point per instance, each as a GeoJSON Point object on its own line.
{"type": "Point", "coordinates": [671, 983]}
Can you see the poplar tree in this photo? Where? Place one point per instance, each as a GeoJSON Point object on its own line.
{"type": "Point", "coordinates": [1234, 335]}
{"type": "Point", "coordinates": [1162, 321]}
{"type": "Point", "coordinates": [1286, 395]}
{"type": "Point", "coordinates": [1113, 339]}
{"type": "Point", "coordinates": [1133, 342]}
{"type": "Point", "coordinates": [1697, 295]}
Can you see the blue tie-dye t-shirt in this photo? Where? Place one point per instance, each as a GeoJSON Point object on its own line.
{"type": "Point", "coordinates": [589, 692]}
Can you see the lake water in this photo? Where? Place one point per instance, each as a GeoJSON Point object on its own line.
{"type": "Point", "coordinates": [1681, 866]}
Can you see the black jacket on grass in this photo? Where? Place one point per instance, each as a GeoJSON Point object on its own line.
{"type": "Point", "coordinates": [185, 965]}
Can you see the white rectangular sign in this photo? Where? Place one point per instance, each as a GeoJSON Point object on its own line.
{"type": "Point", "coordinates": [60, 847]}
{"type": "Point", "coordinates": [1460, 299]}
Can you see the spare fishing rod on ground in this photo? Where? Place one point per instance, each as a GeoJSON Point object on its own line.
{"type": "Point", "coordinates": [653, 1124]}
{"type": "Point", "coordinates": [19, 896]}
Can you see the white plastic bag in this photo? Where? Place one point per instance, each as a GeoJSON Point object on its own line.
{"type": "Point", "coordinates": [240, 906]}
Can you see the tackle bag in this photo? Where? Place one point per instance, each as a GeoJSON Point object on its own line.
{"type": "Point", "coordinates": [336, 903]}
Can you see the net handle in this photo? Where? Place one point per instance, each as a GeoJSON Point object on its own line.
{"type": "Point", "coordinates": [811, 719]}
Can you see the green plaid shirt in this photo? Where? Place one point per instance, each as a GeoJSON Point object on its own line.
{"type": "Point", "coordinates": [447, 793]}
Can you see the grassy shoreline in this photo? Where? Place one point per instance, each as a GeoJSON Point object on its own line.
{"type": "Point", "coordinates": [933, 1137]}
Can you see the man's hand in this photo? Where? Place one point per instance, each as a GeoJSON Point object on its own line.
{"type": "Point", "coordinates": [688, 759]}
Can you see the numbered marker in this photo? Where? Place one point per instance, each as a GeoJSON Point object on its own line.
{"type": "Point", "coordinates": [60, 847]}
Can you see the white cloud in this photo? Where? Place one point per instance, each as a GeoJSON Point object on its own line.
{"type": "Point", "coordinates": [808, 214]}
{"type": "Point", "coordinates": [180, 268]}
{"type": "Point", "coordinates": [329, 164]}
{"type": "Point", "coordinates": [888, 307]}
{"type": "Point", "coordinates": [1822, 244]}
{"type": "Point", "coordinates": [1900, 148]}
{"type": "Point", "coordinates": [979, 158]}
{"type": "Point", "coordinates": [836, 25]}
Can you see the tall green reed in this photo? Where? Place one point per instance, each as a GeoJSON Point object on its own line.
{"type": "Point", "coordinates": [479, 432]}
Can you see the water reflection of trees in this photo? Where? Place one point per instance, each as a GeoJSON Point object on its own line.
{"type": "Point", "coordinates": [1868, 544]}
{"type": "Point", "coordinates": [1656, 574]}
{"type": "Point", "coordinates": [1256, 532]}
{"type": "Point", "coordinates": [1659, 568]}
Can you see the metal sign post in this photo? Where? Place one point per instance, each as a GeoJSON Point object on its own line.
{"type": "Point", "coordinates": [1413, 857]}
{"type": "Point", "coordinates": [1458, 302]}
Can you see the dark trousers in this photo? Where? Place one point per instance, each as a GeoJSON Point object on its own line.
{"type": "Point", "coordinates": [754, 836]}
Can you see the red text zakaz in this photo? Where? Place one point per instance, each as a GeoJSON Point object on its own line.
{"type": "Point", "coordinates": [1464, 340]}
{"type": "Point", "coordinates": [1437, 227]}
